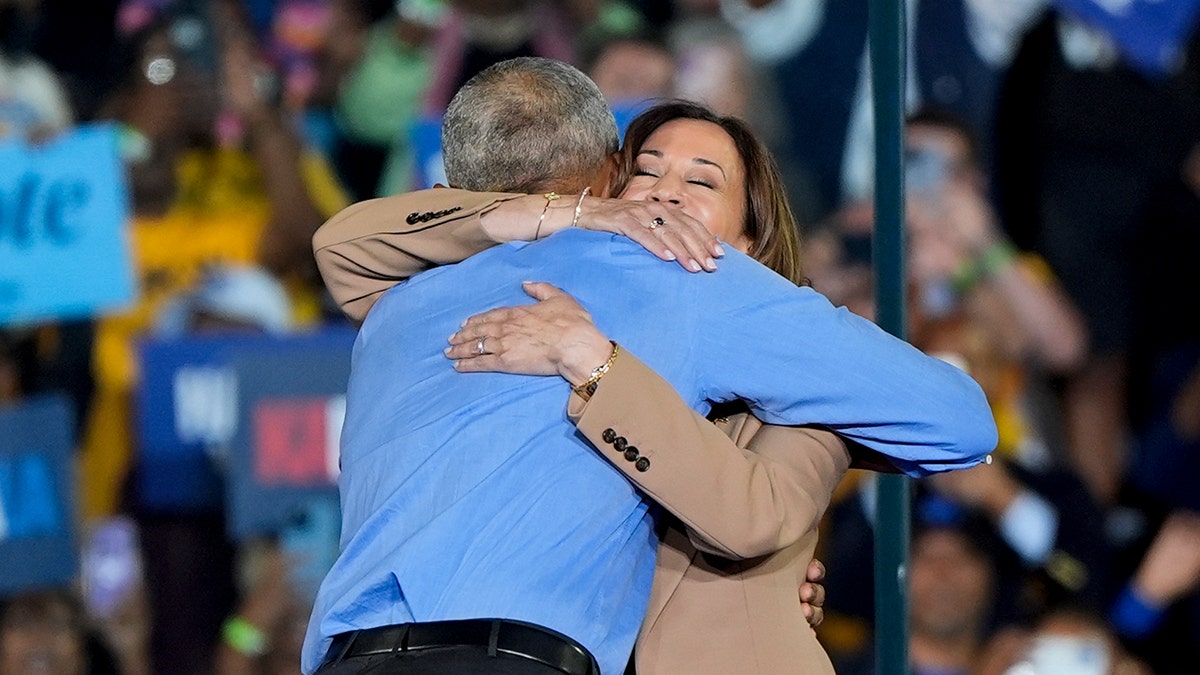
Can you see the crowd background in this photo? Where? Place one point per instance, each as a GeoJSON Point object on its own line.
{"type": "Point", "coordinates": [1054, 217]}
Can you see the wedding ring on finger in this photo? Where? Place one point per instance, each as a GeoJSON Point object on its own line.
{"type": "Point", "coordinates": [479, 348]}
{"type": "Point", "coordinates": [656, 223]}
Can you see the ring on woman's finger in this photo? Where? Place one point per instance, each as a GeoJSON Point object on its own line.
{"type": "Point", "coordinates": [657, 222]}
{"type": "Point", "coordinates": [480, 350]}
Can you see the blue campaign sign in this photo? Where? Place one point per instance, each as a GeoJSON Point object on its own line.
{"type": "Point", "coordinates": [625, 111]}
{"type": "Point", "coordinates": [285, 452]}
{"type": "Point", "coordinates": [188, 409]}
{"type": "Point", "coordinates": [37, 537]}
{"type": "Point", "coordinates": [64, 249]}
{"type": "Point", "coordinates": [426, 137]}
{"type": "Point", "coordinates": [1150, 34]}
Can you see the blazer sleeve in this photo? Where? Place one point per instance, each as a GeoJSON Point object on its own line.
{"type": "Point", "coordinates": [735, 502]}
{"type": "Point", "coordinates": [370, 246]}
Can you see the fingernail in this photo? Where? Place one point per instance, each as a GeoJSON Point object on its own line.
{"type": "Point", "coordinates": [710, 264]}
{"type": "Point", "coordinates": [694, 266]}
{"type": "Point", "coordinates": [670, 255]}
{"type": "Point", "coordinates": [446, 351]}
{"type": "Point", "coordinates": [718, 250]}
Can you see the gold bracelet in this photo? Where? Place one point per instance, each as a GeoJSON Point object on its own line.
{"type": "Point", "coordinates": [579, 206]}
{"type": "Point", "coordinates": [588, 388]}
{"type": "Point", "coordinates": [550, 196]}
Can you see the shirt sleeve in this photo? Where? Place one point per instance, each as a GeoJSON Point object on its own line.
{"type": "Point", "coordinates": [796, 359]}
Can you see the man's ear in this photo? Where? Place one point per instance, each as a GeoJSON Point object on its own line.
{"type": "Point", "coordinates": [602, 183]}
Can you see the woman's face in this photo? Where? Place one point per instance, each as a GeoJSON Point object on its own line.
{"type": "Point", "coordinates": [695, 166]}
{"type": "Point", "coordinates": [40, 635]}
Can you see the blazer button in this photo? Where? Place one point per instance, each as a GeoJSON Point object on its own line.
{"type": "Point", "coordinates": [609, 435]}
{"type": "Point", "coordinates": [620, 443]}
{"type": "Point", "coordinates": [631, 453]}
{"type": "Point", "coordinates": [642, 464]}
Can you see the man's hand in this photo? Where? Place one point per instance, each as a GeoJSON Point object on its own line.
{"type": "Point", "coordinates": [812, 594]}
{"type": "Point", "coordinates": [680, 237]}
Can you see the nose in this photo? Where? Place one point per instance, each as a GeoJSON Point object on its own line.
{"type": "Point", "coordinates": [665, 190]}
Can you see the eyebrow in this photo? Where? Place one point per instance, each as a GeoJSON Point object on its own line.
{"type": "Point", "coordinates": [697, 160]}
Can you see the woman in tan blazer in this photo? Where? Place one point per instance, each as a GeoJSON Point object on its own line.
{"type": "Point", "coordinates": [733, 553]}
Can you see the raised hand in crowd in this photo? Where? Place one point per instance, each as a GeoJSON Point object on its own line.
{"type": "Point", "coordinates": [265, 633]}
{"type": "Point", "coordinates": [1171, 567]}
{"type": "Point", "coordinates": [250, 93]}
{"type": "Point", "coordinates": [956, 238]}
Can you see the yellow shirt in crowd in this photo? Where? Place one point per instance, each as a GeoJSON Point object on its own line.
{"type": "Point", "coordinates": [218, 217]}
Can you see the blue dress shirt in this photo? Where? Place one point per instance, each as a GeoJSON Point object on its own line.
{"type": "Point", "coordinates": [472, 495]}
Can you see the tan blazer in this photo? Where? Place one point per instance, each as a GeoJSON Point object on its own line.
{"type": "Point", "coordinates": [745, 498]}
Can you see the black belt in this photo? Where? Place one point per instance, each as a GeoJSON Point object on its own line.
{"type": "Point", "coordinates": [497, 635]}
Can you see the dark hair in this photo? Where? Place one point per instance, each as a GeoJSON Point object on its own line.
{"type": "Point", "coordinates": [942, 118]}
{"type": "Point", "coordinates": [98, 656]}
{"type": "Point", "coordinates": [590, 51]}
{"type": "Point", "coordinates": [768, 221]}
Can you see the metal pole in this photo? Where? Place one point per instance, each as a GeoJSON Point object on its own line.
{"type": "Point", "coordinates": [888, 43]}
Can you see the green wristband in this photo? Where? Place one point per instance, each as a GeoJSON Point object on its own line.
{"type": "Point", "coordinates": [993, 260]}
{"type": "Point", "coordinates": [996, 258]}
{"type": "Point", "coordinates": [244, 637]}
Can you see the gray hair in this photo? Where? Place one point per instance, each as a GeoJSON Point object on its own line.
{"type": "Point", "coordinates": [527, 125]}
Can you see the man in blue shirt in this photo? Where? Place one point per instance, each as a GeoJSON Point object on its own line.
{"type": "Point", "coordinates": [468, 497]}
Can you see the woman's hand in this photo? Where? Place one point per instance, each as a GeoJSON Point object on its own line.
{"type": "Point", "coordinates": [554, 336]}
{"type": "Point", "coordinates": [661, 228]}
{"type": "Point", "coordinates": [812, 593]}
{"type": "Point", "coordinates": [680, 237]}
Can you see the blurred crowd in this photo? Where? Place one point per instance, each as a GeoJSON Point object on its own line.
{"type": "Point", "coordinates": [1053, 213]}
